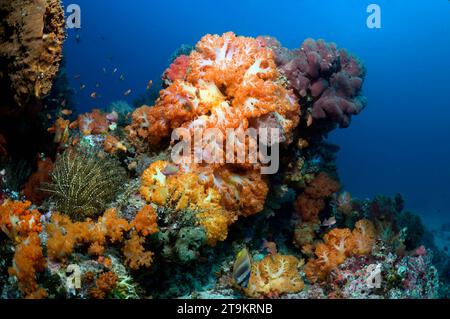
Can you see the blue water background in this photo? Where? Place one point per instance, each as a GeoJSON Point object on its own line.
{"type": "Point", "coordinates": [400, 143]}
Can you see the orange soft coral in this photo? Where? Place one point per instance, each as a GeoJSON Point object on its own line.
{"type": "Point", "coordinates": [338, 245]}
{"type": "Point", "coordinates": [64, 235]}
{"type": "Point", "coordinates": [17, 221]}
{"type": "Point", "coordinates": [23, 226]}
{"type": "Point", "coordinates": [273, 276]}
{"type": "Point", "coordinates": [231, 82]}
{"type": "Point", "coordinates": [103, 285]}
{"type": "Point", "coordinates": [28, 259]}
{"type": "Point", "coordinates": [312, 201]}
{"type": "Point", "coordinates": [112, 145]}
{"type": "Point", "coordinates": [145, 221]}
{"type": "Point", "coordinates": [92, 123]}
{"type": "Point", "coordinates": [134, 252]}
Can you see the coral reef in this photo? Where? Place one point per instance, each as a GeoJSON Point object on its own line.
{"type": "Point", "coordinates": [107, 212]}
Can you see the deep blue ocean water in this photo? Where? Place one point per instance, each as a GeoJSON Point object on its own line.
{"type": "Point", "coordinates": [400, 142]}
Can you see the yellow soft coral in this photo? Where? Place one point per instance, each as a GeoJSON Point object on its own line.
{"type": "Point", "coordinates": [219, 195]}
{"type": "Point", "coordinates": [273, 276]}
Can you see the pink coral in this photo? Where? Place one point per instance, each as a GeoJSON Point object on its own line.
{"type": "Point", "coordinates": [177, 70]}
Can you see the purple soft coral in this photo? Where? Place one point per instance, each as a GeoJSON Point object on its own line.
{"type": "Point", "coordinates": [327, 81]}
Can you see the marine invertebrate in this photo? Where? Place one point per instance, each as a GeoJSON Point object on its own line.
{"type": "Point", "coordinates": [177, 70]}
{"type": "Point", "coordinates": [274, 275]}
{"type": "Point", "coordinates": [145, 221]}
{"type": "Point", "coordinates": [327, 80]}
{"type": "Point", "coordinates": [23, 226]}
{"type": "Point", "coordinates": [232, 82]}
{"type": "Point", "coordinates": [112, 145]}
{"type": "Point", "coordinates": [134, 252]}
{"type": "Point", "coordinates": [94, 122]}
{"type": "Point", "coordinates": [82, 184]}
{"type": "Point", "coordinates": [61, 129]}
{"type": "Point", "coordinates": [31, 190]}
{"type": "Point", "coordinates": [105, 283]}
{"type": "Point", "coordinates": [65, 235]}
{"type": "Point", "coordinates": [218, 196]}
{"type": "Point", "coordinates": [337, 246]}
{"type": "Point", "coordinates": [28, 260]}
{"type": "Point", "coordinates": [32, 33]}
{"type": "Point", "coordinates": [312, 201]}
{"type": "Point", "coordinates": [17, 221]}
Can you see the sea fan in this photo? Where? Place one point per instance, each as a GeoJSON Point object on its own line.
{"type": "Point", "coordinates": [83, 184]}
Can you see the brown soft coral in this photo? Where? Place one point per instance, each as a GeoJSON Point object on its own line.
{"type": "Point", "coordinates": [32, 34]}
{"type": "Point", "coordinates": [273, 276]}
{"type": "Point", "coordinates": [31, 190]}
{"type": "Point", "coordinates": [312, 201]}
{"type": "Point", "coordinates": [105, 283]}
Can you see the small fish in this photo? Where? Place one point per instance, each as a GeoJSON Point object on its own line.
{"type": "Point", "coordinates": [49, 116]}
{"type": "Point", "coordinates": [115, 70]}
{"type": "Point", "coordinates": [128, 92]}
{"type": "Point", "coordinates": [329, 222]}
{"type": "Point", "coordinates": [78, 38]}
{"type": "Point", "coordinates": [242, 268]}
{"type": "Point", "coordinates": [149, 85]}
{"type": "Point", "coordinates": [66, 112]}
{"type": "Point", "coordinates": [170, 170]}
{"type": "Point", "coordinates": [63, 103]}
{"type": "Point", "coordinates": [97, 85]}
{"type": "Point", "coordinates": [104, 70]}
{"type": "Point", "coordinates": [310, 120]}
{"type": "Point", "coordinates": [82, 86]}
{"type": "Point", "coordinates": [122, 77]}
{"type": "Point", "coordinates": [94, 95]}
{"type": "Point", "coordinates": [77, 77]}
